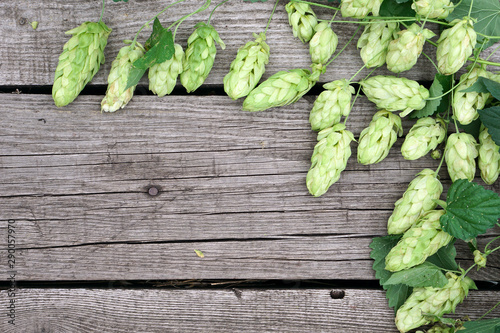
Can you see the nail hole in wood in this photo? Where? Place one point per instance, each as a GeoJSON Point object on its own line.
{"type": "Point", "coordinates": [337, 294]}
{"type": "Point", "coordinates": [153, 191]}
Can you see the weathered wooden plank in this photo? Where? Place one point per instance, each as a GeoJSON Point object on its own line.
{"type": "Point", "coordinates": [34, 58]}
{"type": "Point", "coordinates": [226, 310]}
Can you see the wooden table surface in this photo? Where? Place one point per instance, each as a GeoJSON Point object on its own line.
{"type": "Point", "coordinates": [96, 252]}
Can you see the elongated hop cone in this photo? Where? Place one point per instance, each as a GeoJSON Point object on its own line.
{"type": "Point", "coordinates": [489, 157]}
{"type": "Point", "coordinates": [439, 9]}
{"type": "Point", "coordinates": [395, 93]}
{"type": "Point", "coordinates": [331, 105]}
{"type": "Point", "coordinates": [116, 94]}
{"type": "Point", "coordinates": [418, 243]}
{"type": "Point", "coordinates": [248, 67]}
{"type": "Point", "coordinates": [375, 40]}
{"type": "Point", "coordinates": [302, 19]}
{"type": "Point", "coordinates": [432, 301]}
{"type": "Point", "coordinates": [403, 52]}
{"type": "Point", "coordinates": [416, 201]}
{"type": "Point", "coordinates": [376, 140]}
{"type": "Point", "coordinates": [455, 45]}
{"type": "Point", "coordinates": [329, 158]}
{"type": "Point", "coordinates": [460, 153]}
{"type": "Point", "coordinates": [359, 8]}
{"type": "Point", "coordinates": [200, 55]}
{"type": "Point", "coordinates": [466, 104]}
{"type": "Point", "coordinates": [282, 88]}
{"type": "Point", "coordinates": [163, 76]}
{"type": "Point", "coordinates": [323, 43]}
{"type": "Point", "coordinates": [424, 136]}
{"type": "Point", "coordinates": [79, 61]}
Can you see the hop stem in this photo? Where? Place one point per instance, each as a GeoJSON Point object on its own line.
{"type": "Point", "coordinates": [213, 10]}
{"type": "Point", "coordinates": [270, 17]}
{"type": "Point", "coordinates": [348, 42]}
{"type": "Point", "coordinates": [102, 10]}
{"type": "Point", "coordinates": [179, 21]}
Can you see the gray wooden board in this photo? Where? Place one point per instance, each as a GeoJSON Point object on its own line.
{"type": "Point", "coordinates": [31, 55]}
{"type": "Point", "coordinates": [226, 310]}
{"type": "Point", "coordinates": [232, 184]}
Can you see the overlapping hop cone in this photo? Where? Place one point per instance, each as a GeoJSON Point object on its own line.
{"type": "Point", "coordinates": [489, 157]}
{"type": "Point", "coordinates": [163, 76]}
{"type": "Point", "coordinates": [460, 155]}
{"type": "Point", "coordinates": [359, 8]}
{"type": "Point", "coordinates": [433, 9]}
{"type": "Point", "coordinates": [302, 19]}
{"type": "Point", "coordinates": [374, 41]}
{"type": "Point", "coordinates": [425, 135]}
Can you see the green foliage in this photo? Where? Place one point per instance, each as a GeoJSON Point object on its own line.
{"type": "Point", "coordinates": [397, 8]}
{"type": "Point", "coordinates": [482, 326]}
{"type": "Point", "coordinates": [471, 210]}
{"type": "Point", "coordinates": [490, 117]}
{"type": "Point", "coordinates": [445, 257]}
{"type": "Point", "coordinates": [440, 85]}
{"type": "Point", "coordinates": [423, 275]}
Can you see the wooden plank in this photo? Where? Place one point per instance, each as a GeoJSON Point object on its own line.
{"type": "Point", "coordinates": [34, 58]}
{"type": "Point", "coordinates": [226, 310]}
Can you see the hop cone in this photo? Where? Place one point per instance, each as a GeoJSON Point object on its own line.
{"type": "Point", "coordinates": [423, 137]}
{"type": "Point", "coordinates": [359, 8]}
{"type": "Point", "coordinates": [323, 43]}
{"type": "Point", "coordinates": [466, 104]}
{"type": "Point", "coordinates": [403, 52]}
{"type": "Point", "coordinates": [79, 61]}
{"type": "Point", "coordinates": [331, 105]}
{"type": "Point", "coordinates": [200, 55]}
{"type": "Point", "coordinates": [163, 76]}
{"type": "Point", "coordinates": [376, 140]}
{"type": "Point", "coordinates": [302, 19]}
{"type": "Point", "coordinates": [116, 94]}
{"type": "Point", "coordinates": [479, 259]}
{"type": "Point", "coordinates": [460, 153]}
{"type": "Point", "coordinates": [393, 93]}
{"type": "Point", "coordinates": [282, 88]}
{"type": "Point", "coordinates": [374, 41]}
{"type": "Point", "coordinates": [439, 9]}
{"type": "Point", "coordinates": [329, 158]}
{"type": "Point", "coordinates": [418, 199]}
{"type": "Point", "coordinates": [434, 301]}
{"type": "Point", "coordinates": [248, 67]}
{"type": "Point", "coordinates": [438, 328]}
{"type": "Point", "coordinates": [455, 45]}
{"type": "Point", "coordinates": [419, 242]}
{"type": "Point", "coordinates": [489, 157]}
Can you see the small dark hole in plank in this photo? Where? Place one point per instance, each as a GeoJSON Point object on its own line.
{"type": "Point", "coordinates": [337, 294]}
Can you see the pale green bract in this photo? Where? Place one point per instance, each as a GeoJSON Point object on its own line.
{"type": "Point", "coordinates": [489, 157]}
{"type": "Point", "coordinates": [418, 199]}
{"type": "Point", "coordinates": [466, 104]}
{"type": "Point", "coordinates": [419, 242]}
{"type": "Point", "coordinates": [359, 8]}
{"type": "Point", "coordinates": [433, 301]}
{"type": "Point", "coordinates": [163, 76]}
{"type": "Point", "coordinates": [302, 19]}
{"type": "Point", "coordinates": [374, 41]}
{"type": "Point", "coordinates": [439, 9]}
{"type": "Point", "coordinates": [247, 68]}
{"type": "Point", "coordinates": [376, 140]}
{"type": "Point", "coordinates": [460, 154]}
{"type": "Point", "coordinates": [424, 136]}
{"type": "Point", "coordinates": [329, 158]}
{"type": "Point", "coordinates": [116, 94]}
{"type": "Point", "coordinates": [323, 43]}
{"type": "Point", "coordinates": [79, 61]}
{"type": "Point", "coordinates": [479, 259]}
{"type": "Point", "coordinates": [200, 55]}
{"type": "Point", "coordinates": [331, 104]}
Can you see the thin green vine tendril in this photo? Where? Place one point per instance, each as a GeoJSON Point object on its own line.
{"type": "Point", "coordinates": [432, 62]}
{"type": "Point", "coordinates": [318, 5]}
{"type": "Point", "coordinates": [352, 105]}
{"type": "Point", "coordinates": [213, 10]}
{"type": "Point", "coordinates": [470, 8]}
{"type": "Point", "coordinates": [348, 42]}
{"type": "Point", "coordinates": [489, 243]}
{"type": "Point", "coordinates": [493, 308]}
{"type": "Point", "coordinates": [440, 163]}
{"type": "Point", "coordinates": [132, 45]}
{"type": "Point", "coordinates": [179, 21]}
{"type": "Point", "coordinates": [492, 53]}
{"type": "Point", "coordinates": [270, 17]}
{"type": "Point", "coordinates": [356, 74]}
{"type": "Point", "coordinates": [102, 10]}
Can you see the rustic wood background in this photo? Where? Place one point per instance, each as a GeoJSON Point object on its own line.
{"type": "Point", "coordinates": [231, 184]}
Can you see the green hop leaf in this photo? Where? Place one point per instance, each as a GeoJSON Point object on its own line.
{"type": "Point", "coordinates": [471, 210]}
{"type": "Point", "coordinates": [397, 8]}
{"type": "Point", "coordinates": [441, 84]}
{"type": "Point", "coordinates": [445, 257]}
{"type": "Point", "coordinates": [482, 326]}
{"type": "Point", "coordinates": [490, 117]}
{"type": "Point", "coordinates": [423, 275]}
{"type": "Point", "coordinates": [484, 85]}
{"type": "Point", "coordinates": [159, 46]}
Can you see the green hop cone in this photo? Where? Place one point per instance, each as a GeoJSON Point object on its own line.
{"type": "Point", "coordinates": [418, 243]}
{"type": "Point", "coordinates": [432, 301]}
{"type": "Point", "coordinates": [460, 153]}
{"type": "Point", "coordinates": [375, 40]}
{"type": "Point", "coordinates": [200, 56]}
{"type": "Point", "coordinates": [466, 104]}
{"type": "Point", "coordinates": [323, 43]}
{"type": "Point", "coordinates": [359, 8]}
{"type": "Point", "coordinates": [418, 199]}
{"type": "Point", "coordinates": [439, 328]}
{"type": "Point", "coordinates": [489, 157]}
{"type": "Point", "coordinates": [163, 76]}
{"type": "Point", "coordinates": [302, 19]}
{"type": "Point", "coordinates": [247, 68]}
{"type": "Point", "coordinates": [116, 94]}
{"type": "Point", "coordinates": [329, 158]}
{"type": "Point", "coordinates": [424, 136]}
{"type": "Point", "coordinates": [403, 52]}
{"type": "Point", "coordinates": [79, 61]}
{"type": "Point", "coordinates": [331, 105]}
{"type": "Point", "coordinates": [479, 259]}
{"type": "Point", "coordinates": [376, 140]}
{"type": "Point", "coordinates": [282, 88]}
{"type": "Point", "coordinates": [439, 9]}
{"type": "Point", "coordinates": [395, 93]}
{"type": "Point", "coordinates": [455, 45]}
